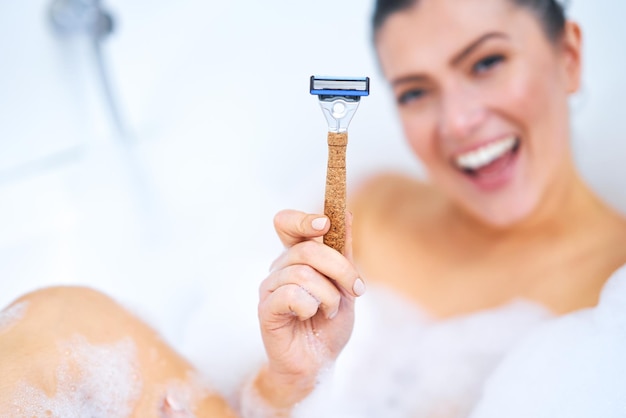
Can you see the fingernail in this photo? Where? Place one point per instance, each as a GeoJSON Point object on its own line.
{"type": "Point", "coordinates": [319, 224]}
{"type": "Point", "coordinates": [359, 287]}
{"type": "Point", "coordinates": [333, 314]}
{"type": "Point", "coordinates": [173, 403]}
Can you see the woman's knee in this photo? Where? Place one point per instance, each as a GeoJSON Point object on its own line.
{"type": "Point", "coordinates": [59, 338]}
{"type": "Point", "coordinates": [35, 328]}
{"type": "Point", "coordinates": [66, 310]}
{"type": "Point", "coordinates": [78, 330]}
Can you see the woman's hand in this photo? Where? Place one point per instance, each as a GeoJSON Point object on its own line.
{"type": "Point", "coordinates": [306, 307]}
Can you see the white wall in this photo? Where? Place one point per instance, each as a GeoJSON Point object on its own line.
{"type": "Point", "coordinates": [223, 134]}
{"type": "Point", "coordinates": [599, 113]}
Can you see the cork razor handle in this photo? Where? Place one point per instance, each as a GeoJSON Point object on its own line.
{"type": "Point", "coordinates": [335, 197]}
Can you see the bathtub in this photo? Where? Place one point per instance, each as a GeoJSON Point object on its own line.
{"type": "Point", "coordinates": [175, 219]}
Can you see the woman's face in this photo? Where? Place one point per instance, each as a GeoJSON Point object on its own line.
{"type": "Point", "coordinates": [482, 95]}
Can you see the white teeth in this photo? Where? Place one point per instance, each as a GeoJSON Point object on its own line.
{"type": "Point", "coordinates": [485, 155]}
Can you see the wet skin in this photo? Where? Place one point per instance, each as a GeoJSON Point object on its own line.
{"type": "Point", "coordinates": [31, 352]}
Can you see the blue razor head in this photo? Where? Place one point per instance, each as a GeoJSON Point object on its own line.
{"type": "Point", "coordinates": [340, 86]}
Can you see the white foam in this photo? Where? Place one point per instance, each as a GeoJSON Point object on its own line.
{"type": "Point", "coordinates": [401, 363]}
{"type": "Point", "coordinates": [95, 381]}
{"type": "Point", "coordinates": [12, 315]}
{"type": "Point", "coordinates": [572, 367]}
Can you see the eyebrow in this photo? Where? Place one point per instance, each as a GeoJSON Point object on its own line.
{"type": "Point", "coordinates": [471, 47]}
{"type": "Point", "coordinates": [455, 60]}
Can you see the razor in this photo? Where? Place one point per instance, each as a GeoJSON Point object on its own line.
{"type": "Point", "coordinates": [339, 98]}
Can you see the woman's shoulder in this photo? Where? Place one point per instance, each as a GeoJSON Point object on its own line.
{"type": "Point", "coordinates": [394, 219]}
{"type": "Point", "coordinates": [607, 239]}
{"type": "Point", "coordinates": [387, 195]}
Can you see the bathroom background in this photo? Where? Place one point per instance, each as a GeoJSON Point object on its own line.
{"type": "Point", "coordinates": [148, 163]}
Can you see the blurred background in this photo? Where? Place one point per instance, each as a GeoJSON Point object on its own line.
{"type": "Point", "coordinates": [146, 145]}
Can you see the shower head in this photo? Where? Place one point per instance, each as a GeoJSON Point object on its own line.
{"type": "Point", "coordinates": [89, 18]}
{"type": "Point", "coordinates": [70, 17]}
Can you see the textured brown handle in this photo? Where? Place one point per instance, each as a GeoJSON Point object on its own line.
{"type": "Point", "coordinates": [335, 199]}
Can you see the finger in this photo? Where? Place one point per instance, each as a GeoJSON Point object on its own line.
{"type": "Point", "coordinates": [289, 300]}
{"type": "Point", "coordinates": [325, 260]}
{"type": "Point", "coordinates": [358, 288]}
{"type": "Point", "coordinates": [312, 281]}
{"type": "Point", "coordinates": [294, 226]}
{"type": "Point", "coordinates": [347, 250]}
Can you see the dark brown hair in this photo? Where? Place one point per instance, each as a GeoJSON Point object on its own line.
{"type": "Point", "coordinates": [549, 12]}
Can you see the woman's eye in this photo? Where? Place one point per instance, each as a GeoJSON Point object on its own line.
{"type": "Point", "coordinates": [486, 64]}
{"type": "Point", "coordinates": [410, 95]}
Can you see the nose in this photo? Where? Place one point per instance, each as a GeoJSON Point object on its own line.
{"type": "Point", "coordinates": [461, 114]}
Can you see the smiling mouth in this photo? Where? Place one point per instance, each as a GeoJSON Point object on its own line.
{"type": "Point", "coordinates": [489, 158]}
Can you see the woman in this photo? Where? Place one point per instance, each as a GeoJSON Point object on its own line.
{"type": "Point", "coordinates": [482, 89]}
